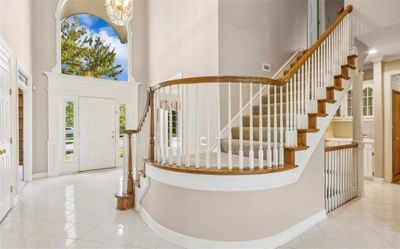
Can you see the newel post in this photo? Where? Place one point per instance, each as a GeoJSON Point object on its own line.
{"type": "Point", "coordinates": [152, 142]}
{"type": "Point", "coordinates": [127, 200]}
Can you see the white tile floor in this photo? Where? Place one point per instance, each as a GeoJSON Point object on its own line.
{"type": "Point", "coordinates": [369, 222]}
{"type": "Point", "coordinates": [75, 211]}
{"type": "Point", "coordinates": [78, 211]}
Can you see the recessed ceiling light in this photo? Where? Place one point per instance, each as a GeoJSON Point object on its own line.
{"type": "Point", "coordinates": [372, 51]}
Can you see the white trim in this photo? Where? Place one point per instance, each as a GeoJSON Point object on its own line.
{"type": "Point", "coordinates": [28, 118]}
{"type": "Point", "coordinates": [58, 16]}
{"type": "Point", "coordinates": [37, 176]}
{"type": "Point", "coordinates": [387, 124]}
{"type": "Point", "coordinates": [269, 242]}
{"type": "Point", "coordinates": [378, 180]}
{"type": "Point", "coordinates": [68, 87]}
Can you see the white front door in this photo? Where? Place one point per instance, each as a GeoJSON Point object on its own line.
{"type": "Point", "coordinates": [97, 133]}
{"type": "Point", "coordinates": [6, 175]}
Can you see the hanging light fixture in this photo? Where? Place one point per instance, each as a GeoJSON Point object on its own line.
{"type": "Point", "coordinates": [119, 11]}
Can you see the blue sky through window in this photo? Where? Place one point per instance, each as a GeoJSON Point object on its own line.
{"type": "Point", "coordinates": [98, 26]}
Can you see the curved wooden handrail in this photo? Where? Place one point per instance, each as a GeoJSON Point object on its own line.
{"type": "Point", "coordinates": [144, 115]}
{"type": "Point", "coordinates": [341, 147]}
{"type": "Point", "coordinates": [318, 43]}
{"type": "Point", "coordinates": [218, 79]}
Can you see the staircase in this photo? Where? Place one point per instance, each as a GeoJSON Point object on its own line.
{"type": "Point", "coordinates": [274, 113]}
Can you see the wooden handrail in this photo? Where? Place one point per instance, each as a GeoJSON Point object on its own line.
{"type": "Point", "coordinates": [218, 79]}
{"type": "Point", "coordinates": [318, 43]}
{"type": "Point", "coordinates": [144, 115]}
{"type": "Point", "coordinates": [341, 147]}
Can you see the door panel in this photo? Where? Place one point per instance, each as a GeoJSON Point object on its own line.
{"type": "Point", "coordinates": [97, 133]}
{"type": "Point", "coordinates": [5, 146]}
{"type": "Point", "coordinates": [396, 135]}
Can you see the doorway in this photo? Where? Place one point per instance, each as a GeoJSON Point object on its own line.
{"type": "Point", "coordinates": [20, 115]}
{"type": "Point", "coordinates": [97, 131]}
{"type": "Point", "coordinates": [396, 136]}
{"type": "Point", "coordinates": [6, 168]}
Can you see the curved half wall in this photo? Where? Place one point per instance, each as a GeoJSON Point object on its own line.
{"type": "Point", "coordinates": [252, 219]}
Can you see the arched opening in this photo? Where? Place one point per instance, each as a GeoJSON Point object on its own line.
{"type": "Point", "coordinates": [91, 47]}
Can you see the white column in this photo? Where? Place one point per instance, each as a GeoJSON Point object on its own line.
{"type": "Point", "coordinates": [378, 119]}
{"type": "Point", "coordinates": [358, 130]}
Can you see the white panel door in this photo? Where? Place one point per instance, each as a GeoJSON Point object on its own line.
{"type": "Point", "coordinates": [97, 133]}
{"type": "Point", "coordinates": [5, 146]}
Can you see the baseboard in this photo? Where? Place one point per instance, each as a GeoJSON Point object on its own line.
{"type": "Point", "coordinates": [379, 180]}
{"type": "Point", "coordinates": [269, 242]}
{"type": "Point", "coordinates": [39, 176]}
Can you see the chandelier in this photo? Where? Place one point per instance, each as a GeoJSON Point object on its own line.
{"type": "Point", "coordinates": [119, 11]}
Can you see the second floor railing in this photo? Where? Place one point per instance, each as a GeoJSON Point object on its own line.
{"type": "Point", "coordinates": [341, 175]}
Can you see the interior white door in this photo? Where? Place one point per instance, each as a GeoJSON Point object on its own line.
{"type": "Point", "coordinates": [6, 175]}
{"type": "Point", "coordinates": [97, 133]}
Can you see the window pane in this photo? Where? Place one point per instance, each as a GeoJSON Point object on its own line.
{"type": "Point", "coordinates": [122, 127]}
{"type": "Point", "coordinates": [365, 111]}
{"type": "Point", "coordinates": [69, 132]}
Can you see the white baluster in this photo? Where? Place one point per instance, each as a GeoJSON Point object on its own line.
{"type": "Point", "coordinates": [187, 140]}
{"type": "Point", "coordinates": [219, 137]}
{"type": "Point", "coordinates": [294, 113]}
{"type": "Point", "coordinates": [197, 126]}
{"type": "Point", "coordinates": [208, 132]}
{"type": "Point", "coordinates": [157, 126]}
{"type": "Point", "coordinates": [281, 150]}
{"type": "Point", "coordinates": [287, 133]}
{"type": "Point", "coordinates": [179, 126]}
{"type": "Point", "coordinates": [240, 126]}
{"type": "Point", "coordinates": [251, 151]}
{"type": "Point", "coordinates": [171, 149]}
{"type": "Point", "coordinates": [163, 124]}
{"type": "Point", "coordinates": [260, 134]}
{"type": "Point", "coordinates": [269, 150]}
{"type": "Point", "coordinates": [276, 133]}
{"type": "Point", "coordinates": [230, 127]}
{"type": "Point", "coordinates": [298, 117]}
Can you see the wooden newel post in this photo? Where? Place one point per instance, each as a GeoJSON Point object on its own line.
{"type": "Point", "coordinates": [127, 200]}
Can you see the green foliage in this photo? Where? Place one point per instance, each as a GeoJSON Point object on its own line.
{"type": "Point", "coordinates": [122, 118]}
{"type": "Point", "coordinates": [84, 54]}
{"type": "Point", "coordinates": [69, 114]}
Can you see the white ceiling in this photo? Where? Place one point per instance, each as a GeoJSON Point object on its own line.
{"type": "Point", "coordinates": [385, 40]}
{"type": "Point", "coordinates": [93, 7]}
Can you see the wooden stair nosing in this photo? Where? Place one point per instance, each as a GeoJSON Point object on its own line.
{"type": "Point", "coordinates": [335, 88]}
{"type": "Point", "coordinates": [342, 76]}
{"type": "Point", "coordinates": [318, 114]}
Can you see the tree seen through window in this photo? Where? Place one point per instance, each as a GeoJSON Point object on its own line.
{"type": "Point", "coordinates": [90, 47]}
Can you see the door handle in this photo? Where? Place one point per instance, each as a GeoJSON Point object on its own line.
{"type": "Point", "coordinates": [2, 152]}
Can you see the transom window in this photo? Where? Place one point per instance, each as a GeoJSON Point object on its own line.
{"type": "Point", "coordinates": [90, 47]}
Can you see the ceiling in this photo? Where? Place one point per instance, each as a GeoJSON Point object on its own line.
{"type": "Point", "coordinates": [385, 40]}
{"type": "Point", "coordinates": [93, 7]}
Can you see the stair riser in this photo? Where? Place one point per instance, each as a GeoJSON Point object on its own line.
{"type": "Point", "coordinates": [246, 134]}
{"type": "Point", "coordinates": [256, 109]}
{"type": "Point", "coordinates": [246, 149]}
{"type": "Point", "coordinates": [246, 121]}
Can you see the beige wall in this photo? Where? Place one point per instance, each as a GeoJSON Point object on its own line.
{"type": "Point", "coordinates": [234, 216]}
{"type": "Point", "coordinates": [16, 28]}
{"type": "Point", "coordinates": [253, 32]}
{"type": "Point", "coordinates": [182, 37]}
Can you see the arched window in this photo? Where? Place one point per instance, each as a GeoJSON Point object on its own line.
{"type": "Point", "coordinates": [367, 101]}
{"type": "Point", "coordinates": [90, 47]}
{"type": "Point", "coordinates": [349, 104]}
